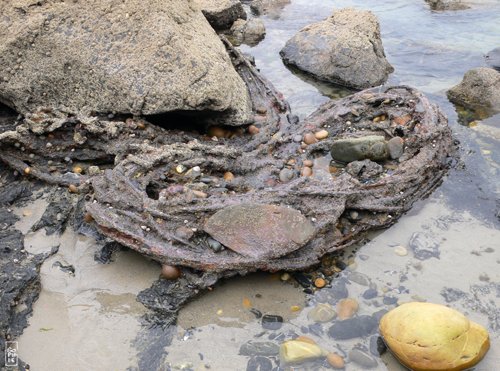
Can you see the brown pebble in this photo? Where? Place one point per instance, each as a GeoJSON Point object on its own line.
{"type": "Point", "coordinates": [261, 110]}
{"type": "Point", "coordinates": [253, 130]}
{"type": "Point", "coordinates": [88, 218]}
{"type": "Point", "coordinates": [346, 308]}
{"type": "Point", "coordinates": [305, 339]}
{"type": "Point", "coordinates": [309, 138]}
{"type": "Point", "coordinates": [308, 163]}
{"type": "Point", "coordinates": [319, 283]}
{"type": "Point", "coordinates": [170, 272]}
{"type": "Point", "coordinates": [77, 170]}
{"type": "Point", "coordinates": [216, 131]}
{"type": "Point", "coordinates": [335, 360]}
{"type": "Point", "coordinates": [27, 170]}
{"type": "Point", "coordinates": [322, 134]}
{"type": "Point", "coordinates": [73, 188]}
{"type": "Point", "coordinates": [228, 176]}
{"type": "Point", "coordinates": [200, 194]}
{"type": "Point", "coordinates": [141, 125]}
{"type": "Point", "coordinates": [306, 171]}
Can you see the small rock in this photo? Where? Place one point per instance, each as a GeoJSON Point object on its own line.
{"type": "Point", "coordinates": [180, 169]}
{"type": "Point", "coordinates": [424, 246]}
{"type": "Point", "coordinates": [363, 359]}
{"type": "Point", "coordinates": [215, 245]}
{"type": "Point", "coordinates": [286, 175]}
{"type": "Point", "coordinates": [359, 278]}
{"type": "Point", "coordinates": [371, 147]}
{"type": "Point", "coordinates": [94, 170]}
{"type": "Point", "coordinates": [319, 283]}
{"type": "Point", "coordinates": [228, 176]}
{"type": "Point", "coordinates": [309, 138]}
{"type": "Point", "coordinates": [401, 250]}
{"type": "Point", "coordinates": [199, 194]}
{"type": "Point", "coordinates": [306, 171]}
{"type": "Point", "coordinates": [335, 360]}
{"type": "Point", "coordinates": [322, 134]}
{"type": "Point", "coordinates": [346, 308]}
{"type": "Point", "coordinates": [285, 277]}
{"type": "Point", "coordinates": [377, 345]}
{"type": "Point", "coordinates": [272, 322]}
{"type": "Point", "coordinates": [253, 130]}
{"type": "Point", "coordinates": [370, 294]}
{"type": "Point", "coordinates": [395, 146]}
{"type": "Point", "coordinates": [77, 169]}
{"type": "Point", "coordinates": [350, 328]}
{"type": "Point", "coordinates": [170, 272]}
{"type": "Point", "coordinates": [259, 348]}
{"type": "Point", "coordinates": [259, 364]}
{"type": "Point", "coordinates": [322, 313]}
{"type": "Point", "coordinates": [73, 188]}
{"type": "Point", "coordinates": [390, 300]}
{"type": "Point", "coordinates": [294, 352]}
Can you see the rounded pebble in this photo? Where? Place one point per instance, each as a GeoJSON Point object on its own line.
{"type": "Point", "coordinates": [309, 138]}
{"type": "Point", "coordinates": [308, 163]}
{"type": "Point", "coordinates": [401, 250]}
{"type": "Point", "coordinates": [170, 272]}
{"type": "Point", "coordinates": [322, 134]}
{"type": "Point", "coordinates": [77, 170]}
{"type": "Point", "coordinates": [306, 171]}
{"type": "Point", "coordinates": [346, 308]}
{"type": "Point", "coordinates": [322, 313]}
{"type": "Point", "coordinates": [335, 360]}
{"type": "Point", "coordinates": [27, 170]}
{"type": "Point", "coordinates": [286, 175]}
{"type": "Point", "coordinates": [319, 283]}
{"type": "Point", "coordinates": [253, 130]}
{"type": "Point", "coordinates": [73, 188]}
{"type": "Point", "coordinates": [228, 176]}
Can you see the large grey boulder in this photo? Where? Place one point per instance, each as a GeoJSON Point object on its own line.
{"type": "Point", "coordinates": [114, 56]}
{"type": "Point", "coordinates": [270, 7]}
{"type": "Point", "coordinates": [493, 58]}
{"type": "Point", "coordinates": [222, 13]}
{"type": "Point", "coordinates": [345, 49]}
{"type": "Point", "coordinates": [480, 87]}
{"type": "Point", "coordinates": [447, 4]}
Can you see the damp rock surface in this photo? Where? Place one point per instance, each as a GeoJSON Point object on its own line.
{"type": "Point", "coordinates": [345, 49]}
{"type": "Point", "coordinates": [116, 57]}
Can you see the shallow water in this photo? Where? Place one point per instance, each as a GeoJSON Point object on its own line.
{"type": "Point", "coordinates": [90, 320]}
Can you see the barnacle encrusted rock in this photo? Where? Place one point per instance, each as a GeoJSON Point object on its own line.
{"type": "Point", "coordinates": [113, 56]}
{"type": "Point", "coordinates": [427, 336]}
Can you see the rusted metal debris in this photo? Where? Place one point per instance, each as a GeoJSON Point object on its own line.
{"type": "Point", "coordinates": [150, 199]}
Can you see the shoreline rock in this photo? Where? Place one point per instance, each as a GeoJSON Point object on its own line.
{"type": "Point", "coordinates": [117, 57]}
{"type": "Point", "coordinates": [222, 13]}
{"type": "Point", "coordinates": [480, 87]}
{"type": "Point", "coordinates": [345, 49]}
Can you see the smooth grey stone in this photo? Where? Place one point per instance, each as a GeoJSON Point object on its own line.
{"type": "Point", "coordinates": [354, 327]}
{"type": "Point", "coordinates": [359, 278]}
{"type": "Point", "coordinates": [272, 322]}
{"type": "Point", "coordinates": [493, 58]}
{"type": "Point", "coordinates": [286, 175]}
{"type": "Point", "coordinates": [371, 147]}
{"type": "Point", "coordinates": [377, 345]}
{"type": "Point", "coordinates": [370, 294]}
{"type": "Point", "coordinates": [424, 246]}
{"type": "Point", "coordinates": [362, 358]}
{"type": "Point", "coordinates": [259, 348]}
{"type": "Point", "coordinates": [259, 364]}
{"type": "Point", "coordinates": [322, 313]}
{"type": "Point", "coordinates": [395, 146]}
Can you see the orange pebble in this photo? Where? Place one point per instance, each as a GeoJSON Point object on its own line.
{"type": "Point", "coordinates": [319, 283]}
